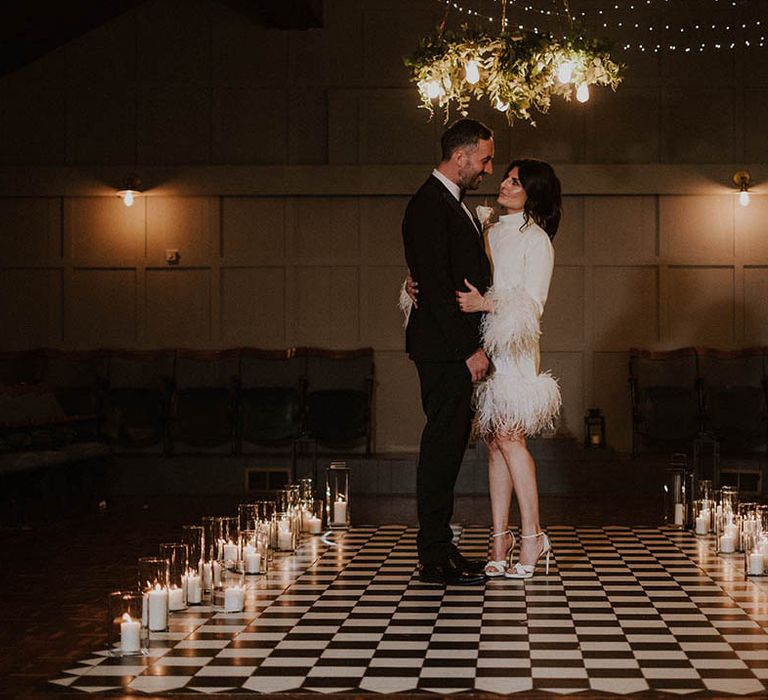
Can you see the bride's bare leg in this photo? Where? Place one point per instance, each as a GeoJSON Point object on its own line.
{"type": "Point", "coordinates": [522, 470]}
{"type": "Point", "coordinates": [500, 488]}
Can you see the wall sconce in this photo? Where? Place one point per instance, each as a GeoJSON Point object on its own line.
{"type": "Point", "coordinates": [741, 180]}
{"type": "Point", "coordinates": [131, 190]}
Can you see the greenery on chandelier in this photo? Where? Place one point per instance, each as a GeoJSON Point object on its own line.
{"type": "Point", "coordinates": [518, 73]}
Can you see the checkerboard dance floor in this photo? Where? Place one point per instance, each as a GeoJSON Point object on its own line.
{"type": "Point", "coordinates": [623, 610]}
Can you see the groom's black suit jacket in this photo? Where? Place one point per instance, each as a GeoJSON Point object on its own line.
{"type": "Point", "coordinates": [442, 248]}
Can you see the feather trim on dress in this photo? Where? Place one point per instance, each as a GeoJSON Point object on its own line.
{"type": "Point", "coordinates": [405, 303]}
{"type": "Point", "coordinates": [514, 326]}
{"type": "Point", "coordinates": [510, 404]}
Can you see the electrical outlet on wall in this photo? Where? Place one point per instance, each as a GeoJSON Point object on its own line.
{"type": "Point", "coordinates": [172, 256]}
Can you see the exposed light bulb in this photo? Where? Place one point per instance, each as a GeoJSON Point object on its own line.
{"type": "Point", "coordinates": [472, 72]}
{"type": "Point", "coordinates": [501, 106]}
{"type": "Point", "coordinates": [582, 94]}
{"type": "Point", "coordinates": [741, 179]}
{"type": "Point", "coordinates": [447, 82]}
{"type": "Point", "coordinates": [128, 198]}
{"type": "Point", "coordinates": [565, 72]}
{"type": "Point", "coordinates": [433, 89]}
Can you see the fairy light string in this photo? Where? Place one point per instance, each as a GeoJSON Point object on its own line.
{"type": "Point", "coordinates": [623, 18]}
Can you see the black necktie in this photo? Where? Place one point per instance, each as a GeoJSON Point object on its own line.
{"type": "Point", "coordinates": [462, 194]}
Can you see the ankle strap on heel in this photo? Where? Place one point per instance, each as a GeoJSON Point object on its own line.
{"type": "Point", "coordinates": [501, 534]}
{"type": "Point", "coordinates": [530, 537]}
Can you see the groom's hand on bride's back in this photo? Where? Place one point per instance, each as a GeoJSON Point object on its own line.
{"type": "Point", "coordinates": [412, 290]}
{"type": "Point", "coordinates": [477, 364]}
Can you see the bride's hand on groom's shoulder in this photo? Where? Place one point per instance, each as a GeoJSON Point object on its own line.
{"type": "Point", "coordinates": [471, 301]}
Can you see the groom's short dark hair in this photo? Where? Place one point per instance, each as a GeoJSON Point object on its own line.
{"type": "Point", "coordinates": [463, 132]}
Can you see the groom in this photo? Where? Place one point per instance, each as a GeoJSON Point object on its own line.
{"type": "Point", "coordinates": [443, 247]}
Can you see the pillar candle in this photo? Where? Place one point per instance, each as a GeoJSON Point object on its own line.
{"type": "Point", "coordinates": [340, 513]}
{"type": "Point", "coordinates": [702, 522]}
{"type": "Point", "coordinates": [314, 525]}
{"type": "Point", "coordinates": [252, 560]}
{"type": "Point", "coordinates": [230, 552]}
{"type": "Point", "coordinates": [194, 588]}
{"type": "Point", "coordinates": [207, 575]}
{"type": "Point", "coordinates": [130, 635]}
{"type": "Point", "coordinates": [176, 599]}
{"type": "Point", "coordinates": [755, 564]}
{"type": "Point", "coordinates": [678, 513]}
{"type": "Point", "coordinates": [157, 606]}
{"type": "Point", "coordinates": [284, 539]}
{"type": "Point", "coordinates": [234, 599]}
{"type": "Point", "coordinates": [727, 544]}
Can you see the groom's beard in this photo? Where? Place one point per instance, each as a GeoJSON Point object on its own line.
{"type": "Point", "coordinates": [471, 181]}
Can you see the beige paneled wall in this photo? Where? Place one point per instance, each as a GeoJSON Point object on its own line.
{"type": "Point", "coordinates": [632, 271]}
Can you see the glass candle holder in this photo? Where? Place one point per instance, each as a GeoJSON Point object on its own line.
{"type": "Point", "coordinates": [192, 583]}
{"type": "Point", "coordinates": [228, 553]}
{"type": "Point", "coordinates": [176, 554]}
{"type": "Point", "coordinates": [314, 521]}
{"type": "Point", "coordinates": [255, 559]}
{"type": "Point", "coordinates": [230, 595]}
{"type": "Point", "coordinates": [266, 510]}
{"type": "Point", "coordinates": [285, 532]}
{"type": "Point", "coordinates": [754, 561]}
{"type": "Point", "coordinates": [337, 492]}
{"type": "Point", "coordinates": [705, 491]}
{"type": "Point", "coordinates": [211, 575]}
{"type": "Point", "coordinates": [194, 537]}
{"type": "Point", "coordinates": [263, 547]}
{"type": "Point", "coordinates": [728, 535]}
{"type": "Point", "coordinates": [210, 524]}
{"type": "Point", "coordinates": [761, 513]}
{"type": "Point", "coordinates": [248, 516]}
{"type": "Point", "coordinates": [306, 490]}
{"type": "Point", "coordinates": [153, 571]}
{"type": "Point", "coordinates": [728, 532]}
{"type": "Point", "coordinates": [674, 497]}
{"type": "Point", "coordinates": [729, 498]}
{"type": "Point", "coordinates": [126, 635]}
{"type": "Point", "coordinates": [702, 513]}
{"type": "Point", "coordinates": [153, 583]}
{"type": "Point", "coordinates": [750, 525]}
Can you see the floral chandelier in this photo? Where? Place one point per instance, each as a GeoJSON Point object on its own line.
{"type": "Point", "coordinates": [518, 72]}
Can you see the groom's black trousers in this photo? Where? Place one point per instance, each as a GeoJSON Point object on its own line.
{"type": "Point", "coordinates": [446, 397]}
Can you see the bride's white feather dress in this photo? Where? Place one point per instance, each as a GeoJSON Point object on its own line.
{"type": "Point", "coordinates": [516, 398]}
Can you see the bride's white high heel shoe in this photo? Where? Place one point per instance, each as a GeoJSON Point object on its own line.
{"type": "Point", "coordinates": [498, 567]}
{"type": "Point", "coordinates": [519, 570]}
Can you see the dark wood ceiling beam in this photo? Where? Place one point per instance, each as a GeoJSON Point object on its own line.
{"type": "Point", "coordinates": [30, 29]}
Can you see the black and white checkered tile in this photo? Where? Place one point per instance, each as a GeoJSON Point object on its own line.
{"type": "Point", "coordinates": [623, 610]}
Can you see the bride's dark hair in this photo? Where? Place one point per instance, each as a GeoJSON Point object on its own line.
{"type": "Point", "coordinates": [542, 189]}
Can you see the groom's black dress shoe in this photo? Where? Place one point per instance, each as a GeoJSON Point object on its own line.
{"type": "Point", "coordinates": [449, 574]}
{"type": "Point", "coordinates": [473, 566]}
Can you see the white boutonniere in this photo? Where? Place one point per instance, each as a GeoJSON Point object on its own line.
{"type": "Point", "coordinates": [486, 215]}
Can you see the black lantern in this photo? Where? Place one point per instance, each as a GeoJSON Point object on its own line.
{"type": "Point", "coordinates": [594, 428]}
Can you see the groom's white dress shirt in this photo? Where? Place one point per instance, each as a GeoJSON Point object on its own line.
{"type": "Point", "coordinates": [455, 190]}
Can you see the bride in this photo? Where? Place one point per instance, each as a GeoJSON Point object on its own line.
{"type": "Point", "coordinates": [516, 400]}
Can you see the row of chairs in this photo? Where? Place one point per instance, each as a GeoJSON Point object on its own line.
{"type": "Point", "coordinates": [237, 400]}
{"type": "Point", "coordinates": [681, 394]}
